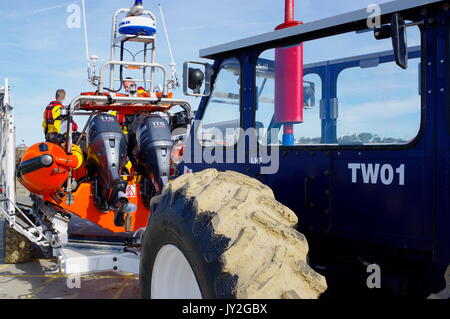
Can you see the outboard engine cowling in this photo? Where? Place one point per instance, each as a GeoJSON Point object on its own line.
{"type": "Point", "coordinates": [106, 158]}
{"type": "Point", "coordinates": [154, 146]}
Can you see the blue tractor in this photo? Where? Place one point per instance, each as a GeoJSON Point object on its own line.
{"type": "Point", "coordinates": [365, 170]}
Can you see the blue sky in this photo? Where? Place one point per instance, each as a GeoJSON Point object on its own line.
{"type": "Point", "coordinates": [40, 54]}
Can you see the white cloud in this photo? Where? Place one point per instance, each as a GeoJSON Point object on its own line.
{"type": "Point", "coordinates": [390, 118]}
{"type": "Point", "coordinates": [380, 110]}
{"type": "Point", "coordinates": [59, 6]}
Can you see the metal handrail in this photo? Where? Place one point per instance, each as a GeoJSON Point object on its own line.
{"type": "Point", "coordinates": [124, 63]}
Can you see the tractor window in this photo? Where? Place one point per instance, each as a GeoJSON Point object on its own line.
{"type": "Point", "coordinates": [380, 105]}
{"type": "Point", "coordinates": [354, 94]}
{"type": "Point", "coordinates": [310, 130]}
{"type": "Point", "coordinates": [221, 121]}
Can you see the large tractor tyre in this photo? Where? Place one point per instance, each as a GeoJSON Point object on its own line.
{"type": "Point", "coordinates": [17, 248]}
{"type": "Point", "coordinates": [223, 235]}
{"type": "Point", "coordinates": [445, 293]}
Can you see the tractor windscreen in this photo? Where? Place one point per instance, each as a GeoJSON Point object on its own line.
{"type": "Point", "coordinates": [353, 93]}
{"type": "Point", "coordinates": [221, 121]}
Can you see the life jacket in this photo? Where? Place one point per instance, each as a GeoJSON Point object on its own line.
{"type": "Point", "coordinates": [141, 92]}
{"type": "Point", "coordinates": [52, 119]}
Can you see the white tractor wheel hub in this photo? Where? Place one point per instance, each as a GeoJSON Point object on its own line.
{"type": "Point", "coordinates": [173, 277]}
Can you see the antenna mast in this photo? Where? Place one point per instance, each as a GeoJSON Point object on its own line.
{"type": "Point", "coordinates": [85, 30]}
{"type": "Point", "coordinates": [173, 65]}
{"type": "Point", "coordinates": [91, 60]}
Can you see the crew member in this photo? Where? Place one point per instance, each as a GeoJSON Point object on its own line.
{"type": "Point", "coordinates": [132, 90]}
{"type": "Point", "coordinates": [54, 124]}
{"type": "Point", "coordinates": [130, 87]}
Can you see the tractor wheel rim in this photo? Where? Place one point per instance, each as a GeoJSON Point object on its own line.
{"type": "Point", "coordinates": [173, 277]}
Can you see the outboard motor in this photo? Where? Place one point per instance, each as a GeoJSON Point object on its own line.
{"type": "Point", "coordinates": [153, 148]}
{"type": "Point", "coordinates": [106, 158]}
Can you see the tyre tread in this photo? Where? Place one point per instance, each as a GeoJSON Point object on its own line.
{"type": "Point", "coordinates": [248, 233]}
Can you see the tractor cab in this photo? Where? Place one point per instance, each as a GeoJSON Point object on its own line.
{"type": "Point", "coordinates": [346, 119]}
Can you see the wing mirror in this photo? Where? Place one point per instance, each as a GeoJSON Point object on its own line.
{"type": "Point", "coordinates": [399, 41]}
{"type": "Point", "coordinates": [196, 80]}
{"type": "Point", "coordinates": [397, 32]}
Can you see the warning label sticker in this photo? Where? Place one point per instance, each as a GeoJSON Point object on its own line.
{"type": "Point", "coordinates": [131, 191]}
{"type": "Point", "coordinates": [187, 170]}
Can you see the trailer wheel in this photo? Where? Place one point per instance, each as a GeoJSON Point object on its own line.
{"type": "Point", "coordinates": [223, 235]}
{"type": "Point", "coordinates": [17, 248]}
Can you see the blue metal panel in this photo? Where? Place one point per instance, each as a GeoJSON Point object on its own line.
{"type": "Point", "coordinates": [303, 184]}
{"type": "Point", "coordinates": [440, 72]}
{"type": "Point", "coordinates": [394, 215]}
{"type": "Point", "coordinates": [329, 77]}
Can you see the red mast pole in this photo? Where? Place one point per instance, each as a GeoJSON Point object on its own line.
{"type": "Point", "coordinates": [289, 11]}
{"type": "Point", "coordinates": [289, 81]}
{"type": "Point", "coordinates": [288, 16]}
